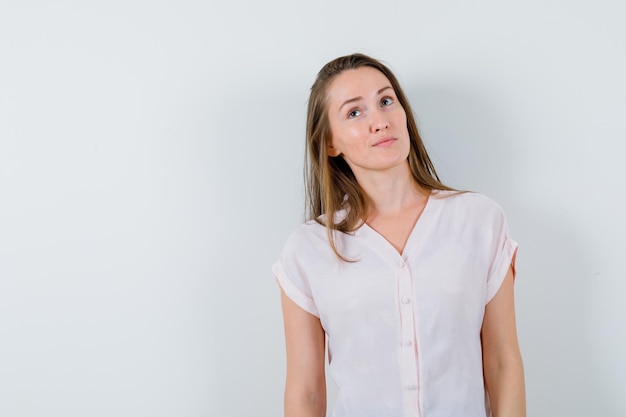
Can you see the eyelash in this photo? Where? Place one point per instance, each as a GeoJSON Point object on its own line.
{"type": "Point", "coordinates": [391, 101]}
{"type": "Point", "coordinates": [352, 115]}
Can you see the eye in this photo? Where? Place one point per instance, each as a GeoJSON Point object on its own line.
{"type": "Point", "coordinates": [354, 113]}
{"type": "Point", "coordinates": [387, 101]}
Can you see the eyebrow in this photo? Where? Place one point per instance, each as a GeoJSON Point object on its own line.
{"type": "Point", "coordinates": [352, 100]}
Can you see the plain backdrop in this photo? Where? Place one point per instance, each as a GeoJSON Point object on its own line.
{"type": "Point", "coordinates": [151, 169]}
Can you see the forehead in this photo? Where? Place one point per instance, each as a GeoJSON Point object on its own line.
{"type": "Point", "coordinates": [359, 82]}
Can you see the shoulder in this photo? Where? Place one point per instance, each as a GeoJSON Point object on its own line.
{"type": "Point", "coordinates": [469, 210]}
{"type": "Point", "coordinates": [467, 202]}
{"type": "Point", "coordinates": [313, 232]}
{"type": "Point", "coordinates": [309, 239]}
{"type": "Point", "coordinates": [306, 233]}
{"type": "Point", "coordinates": [307, 253]}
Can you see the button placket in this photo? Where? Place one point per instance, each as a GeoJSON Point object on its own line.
{"type": "Point", "coordinates": [407, 320]}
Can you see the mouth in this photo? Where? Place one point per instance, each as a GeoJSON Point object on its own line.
{"type": "Point", "coordinates": [384, 142]}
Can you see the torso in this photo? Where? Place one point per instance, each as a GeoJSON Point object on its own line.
{"type": "Point", "coordinates": [397, 228]}
{"type": "Point", "coordinates": [404, 328]}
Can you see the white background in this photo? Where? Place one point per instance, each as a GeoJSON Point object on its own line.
{"type": "Point", "coordinates": [151, 169]}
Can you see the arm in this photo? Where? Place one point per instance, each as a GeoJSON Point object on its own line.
{"type": "Point", "coordinates": [305, 389]}
{"type": "Point", "coordinates": [502, 360]}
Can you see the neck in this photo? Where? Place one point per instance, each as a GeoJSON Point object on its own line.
{"type": "Point", "coordinates": [392, 192]}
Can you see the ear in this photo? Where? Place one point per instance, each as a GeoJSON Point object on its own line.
{"type": "Point", "coordinates": [332, 151]}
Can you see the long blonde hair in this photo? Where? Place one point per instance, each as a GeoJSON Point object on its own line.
{"type": "Point", "coordinates": [330, 184]}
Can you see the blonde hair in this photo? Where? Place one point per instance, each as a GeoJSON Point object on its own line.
{"type": "Point", "coordinates": [330, 184]}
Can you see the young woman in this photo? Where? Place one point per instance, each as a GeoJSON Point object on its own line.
{"type": "Point", "coordinates": [408, 281]}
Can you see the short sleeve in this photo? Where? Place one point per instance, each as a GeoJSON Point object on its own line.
{"type": "Point", "coordinates": [503, 252]}
{"type": "Point", "coordinates": [292, 278]}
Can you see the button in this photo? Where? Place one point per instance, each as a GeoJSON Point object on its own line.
{"type": "Point", "coordinates": [405, 300]}
{"type": "Point", "coordinates": [409, 343]}
{"type": "Point", "coordinates": [411, 387]}
{"type": "Point", "coordinates": [401, 264]}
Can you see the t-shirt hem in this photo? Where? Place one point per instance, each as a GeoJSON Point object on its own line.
{"type": "Point", "coordinates": [506, 260]}
{"type": "Point", "coordinates": [297, 296]}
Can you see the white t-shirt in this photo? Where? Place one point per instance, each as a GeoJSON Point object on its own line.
{"type": "Point", "coordinates": [404, 329]}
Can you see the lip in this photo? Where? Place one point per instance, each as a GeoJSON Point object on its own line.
{"type": "Point", "coordinates": [384, 142]}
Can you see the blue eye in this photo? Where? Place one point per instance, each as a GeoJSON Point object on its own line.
{"type": "Point", "coordinates": [354, 113]}
{"type": "Point", "coordinates": [387, 101]}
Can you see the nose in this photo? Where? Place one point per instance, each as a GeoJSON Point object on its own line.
{"type": "Point", "coordinates": [379, 121]}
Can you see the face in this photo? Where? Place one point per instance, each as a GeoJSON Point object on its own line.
{"type": "Point", "coordinates": [367, 122]}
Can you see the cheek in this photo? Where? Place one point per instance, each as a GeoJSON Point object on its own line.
{"type": "Point", "coordinates": [401, 118]}
{"type": "Point", "coordinates": [356, 132]}
{"type": "Point", "coordinates": [347, 136]}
